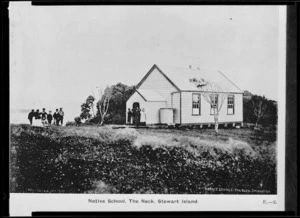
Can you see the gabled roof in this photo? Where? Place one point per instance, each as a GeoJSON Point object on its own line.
{"type": "Point", "coordinates": [180, 77]}
{"type": "Point", "coordinates": [150, 95]}
{"type": "Point", "coordinates": [162, 73]}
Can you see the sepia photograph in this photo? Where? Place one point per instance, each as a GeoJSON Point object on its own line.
{"type": "Point", "coordinates": [159, 100]}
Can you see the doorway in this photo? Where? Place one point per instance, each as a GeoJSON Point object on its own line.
{"type": "Point", "coordinates": [135, 105]}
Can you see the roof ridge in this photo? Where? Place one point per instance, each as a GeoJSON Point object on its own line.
{"type": "Point", "coordinates": [229, 80]}
{"type": "Point", "coordinates": [195, 68]}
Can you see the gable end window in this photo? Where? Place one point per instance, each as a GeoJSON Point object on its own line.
{"type": "Point", "coordinates": [196, 104]}
{"type": "Point", "coordinates": [230, 104]}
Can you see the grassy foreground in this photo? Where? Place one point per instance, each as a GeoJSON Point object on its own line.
{"type": "Point", "coordinates": [91, 159]}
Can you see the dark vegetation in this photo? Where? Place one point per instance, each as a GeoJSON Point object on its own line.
{"type": "Point", "coordinates": [91, 159]}
{"type": "Point", "coordinates": [118, 95]}
{"type": "Point", "coordinates": [86, 109]}
{"type": "Point", "coordinates": [264, 107]}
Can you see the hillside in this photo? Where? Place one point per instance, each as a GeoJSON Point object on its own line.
{"type": "Point", "coordinates": [91, 159]}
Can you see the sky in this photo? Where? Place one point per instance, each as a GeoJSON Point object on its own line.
{"type": "Point", "coordinates": [60, 54]}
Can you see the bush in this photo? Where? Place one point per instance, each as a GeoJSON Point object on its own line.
{"type": "Point", "coordinates": [103, 160]}
{"type": "Point", "coordinates": [94, 120]}
{"type": "Point", "coordinates": [119, 94]}
{"type": "Point", "coordinates": [270, 117]}
{"type": "Point", "coordinates": [69, 123]}
{"type": "Point", "coordinates": [77, 121]}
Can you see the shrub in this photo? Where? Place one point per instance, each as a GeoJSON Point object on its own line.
{"type": "Point", "coordinates": [119, 94]}
{"type": "Point", "coordinates": [270, 117]}
{"type": "Point", "coordinates": [103, 160]}
{"type": "Point", "coordinates": [69, 123]}
{"type": "Point", "coordinates": [94, 120]}
{"type": "Point", "coordinates": [77, 120]}
{"type": "Point", "coordinates": [196, 145]}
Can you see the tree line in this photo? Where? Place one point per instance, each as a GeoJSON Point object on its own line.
{"type": "Point", "coordinates": [111, 108]}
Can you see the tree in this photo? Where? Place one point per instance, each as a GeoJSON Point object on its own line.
{"type": "Point", "coordinates": [259, 109]}
{"type": "Point", "coordinates": [90, 101]}
{"type": "Point", "coordinates": [86, 108]}
{"type": "Point", "coordinates": [85, 111]}
{"type": "Point", "coordinates": [214, 95]}
{"type": "Point", "coordinates": [119, 94]}
{"type": "Point", "coordinates": [103, 103]}
{"type": "Point", "coordinates": [111, 105]}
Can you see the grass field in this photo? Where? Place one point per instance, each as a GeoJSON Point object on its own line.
{"type": "Point", "coordinates": [91, 159]}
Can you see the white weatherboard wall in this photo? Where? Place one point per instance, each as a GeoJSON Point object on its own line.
{"type": "Point", "coordinates": [151, 107]}
{"type": "Point", "coordinates": [157, 82]}
{"type": "Point", "coordinates": [205, 116]}
{"type": "Point", "coordinates": [176, 106]}
{"type": "Point", "coordinates": [152, 111]}
{"type": "Point", "coordinates": [166, 115]}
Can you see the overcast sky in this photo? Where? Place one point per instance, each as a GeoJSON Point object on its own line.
{"type": "Point", "coordinates": [59, 54]}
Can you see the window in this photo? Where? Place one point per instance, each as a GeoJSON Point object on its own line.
{"type": "Point", "coordinates": [214, 104]}
{"type": "Point", "coordinates": [196, 104]}
{"type": "Point", "coordinates": [230, 104]}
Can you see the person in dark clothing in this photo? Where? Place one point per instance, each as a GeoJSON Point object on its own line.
{"type": "Point", "coordinates": [49, 118]}
{"type": "Point", "coordinates": [37, 114]}
{"type": "Point", "coordinates": [37, 118]}
{"type": "Point", "coordinates": [137, 116]}
{"type": "Point", "coordinates": [56, 117]}
{"type": "Point", "coordinates": [44, 117]}
{"type": "Point", "coordinates": [30, 116]}
{"type": "Point", "coordinates": [133, 116]}
{"type": "Point", "coordinates": [129, 116]}
{"type": "Point", "coordinates": [44, 114]}
{"type": "Point", "coordinates": [61, 115]}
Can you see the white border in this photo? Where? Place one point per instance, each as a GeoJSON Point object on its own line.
{"type": "Point", "coordinates": [281, 103]}
{"type": "Point", "coordinates": [25, 204]}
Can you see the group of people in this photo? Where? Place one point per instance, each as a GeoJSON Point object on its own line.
{"type": "Point", "coordinates": [136, 116]}
{"type": "Point", "coordinates": [43, 118]}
